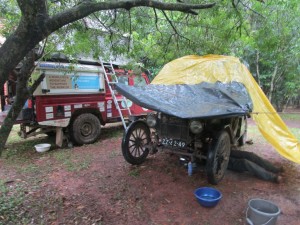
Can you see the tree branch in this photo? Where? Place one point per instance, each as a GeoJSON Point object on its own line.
{"type": "Point", "coordinates": [156, 22]}
{"type": "Point", "coordinates": [86, 8]}
{"type": "Point", "coordinates": [167, 45]}
{"type": "Point", "coordinates": [174, 28]}
{"type": "Point", "coordinates": [115, 18]}
{"type": "Point", "coordinates": [247, 7]}
{"type": "Point", "coordinates": [170, 22]}
{"type": "Point", "coordinates": [103, 24]}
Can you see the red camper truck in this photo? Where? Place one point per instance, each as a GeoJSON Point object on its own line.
{"type": "Point", "coordinates": [76, 99]}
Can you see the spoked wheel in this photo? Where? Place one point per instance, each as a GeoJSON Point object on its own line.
{"type": "Point", "coordinates": [134, 140]}
{"type": "Point", "coordinates": [218, 158]}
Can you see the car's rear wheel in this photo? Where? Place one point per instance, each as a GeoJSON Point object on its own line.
{"type": "Point", "coordinates": [85, 129]}
{"type": "Point", "coordinates": [135, 139]}
{"type": "Point", "coordinates": [218, 157]}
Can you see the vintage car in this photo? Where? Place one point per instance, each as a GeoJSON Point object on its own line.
{"type": "Point", "coordinates": [198, 122]}
{"type": "Point", "coordinates": [198, 112]}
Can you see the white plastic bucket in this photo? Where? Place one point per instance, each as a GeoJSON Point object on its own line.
{"type": "Point", "coordinates": [261, 212]}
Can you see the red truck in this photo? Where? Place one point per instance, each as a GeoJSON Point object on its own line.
{"type": "Point", "coordinates": [75, 100]}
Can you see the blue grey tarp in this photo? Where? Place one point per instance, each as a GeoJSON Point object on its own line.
{"type": "Point", "coordinates": [204, 100]}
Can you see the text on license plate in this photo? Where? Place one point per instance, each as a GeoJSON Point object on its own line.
{"type": "Point", "coordinates": [173, 143]}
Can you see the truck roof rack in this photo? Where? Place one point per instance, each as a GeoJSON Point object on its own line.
{"type": "Point", "coordinates": [60, 57]}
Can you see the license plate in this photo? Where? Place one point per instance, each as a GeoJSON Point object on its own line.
{"type": "Point", "coordinates": [173, 143]}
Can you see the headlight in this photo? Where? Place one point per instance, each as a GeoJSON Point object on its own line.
{"type": "Point", "coordinates": [151, 120]}
{"type": "Point", "coordinates": [196, 127]}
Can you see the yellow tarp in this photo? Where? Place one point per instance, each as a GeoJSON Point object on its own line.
{"type": "Point", "coordinates": [195, 69]}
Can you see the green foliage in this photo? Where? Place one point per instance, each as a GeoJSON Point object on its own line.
{"type": "Point", "coordinates": [274, 43]}
{"type": "Point", "coordinates": [9, 16]}
{"type": "Point", "coordinates": [264, 35]}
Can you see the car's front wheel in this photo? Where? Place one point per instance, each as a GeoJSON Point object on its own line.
{"type": "Point", "coordinates": [218, 157]}
{"type": "Point", "coordinates": [135, 139]}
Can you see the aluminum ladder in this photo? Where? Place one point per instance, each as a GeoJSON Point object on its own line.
{"type": "Point", "coordinates": [114, 80]}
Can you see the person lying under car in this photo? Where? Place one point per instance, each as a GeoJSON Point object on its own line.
{"type": "Point", "coordinates": [242, 161]}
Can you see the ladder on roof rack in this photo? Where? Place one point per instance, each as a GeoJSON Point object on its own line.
{"type": "Point", "coordinates": [111, 82]}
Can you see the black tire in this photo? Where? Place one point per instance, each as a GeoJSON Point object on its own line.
{"type": "Point", "coordinates": [218, 158]}
{"type": "Point", "coordinates": [85, 129]}
{"type": "Point", "coordinates": [135, 138]}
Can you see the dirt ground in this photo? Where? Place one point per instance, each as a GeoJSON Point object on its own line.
{"type": "Point", "coordinates": [93, 184]}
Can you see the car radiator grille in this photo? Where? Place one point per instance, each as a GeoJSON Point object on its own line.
{"type": "Point", "coordinates": [173, 127]}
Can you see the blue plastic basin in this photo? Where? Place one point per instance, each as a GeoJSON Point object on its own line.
{"type": "Point", "coordinates": [207, 196]}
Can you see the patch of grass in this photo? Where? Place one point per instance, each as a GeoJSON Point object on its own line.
{"type": "Point", "coordinates": [290, 116]}
{"type": "Point", "coordinates": [22, 149]}
{"type": "Point", "coordinates": [11, 199]}
{"type": "Point", "coordinates": [78, 165]}
{"type": "Point", "coordinates": [13, 136]}
{"type": "Point", "coordinates": [62, 154]}
{"type": "Point", "coordinates": [112, 132]}
{"type": "Point", "coordinates": [20, 154]}
{"type": "Point", "coordinates": [71, 161]}
{"type": "Point", "coordinates": [115, 134]}
{"type": "Point", "coordinates": [134, 173]}
{"type": "Point", "coordinates": [31, 168]}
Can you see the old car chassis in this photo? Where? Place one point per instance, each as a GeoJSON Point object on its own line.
{"type": "Point", "coordinates": [209, 139]}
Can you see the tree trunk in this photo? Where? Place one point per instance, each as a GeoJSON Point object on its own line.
{"type": "Point", "coordinates": [12, 116]}
{"type": "Point", "coordinates": [22, 94]}
{"type": "Point", "coordinates": [286, 104]}
{"type": "Point", "coordinates": [257, 67]}
{"type": "Point", "coordinates": [272, 84]}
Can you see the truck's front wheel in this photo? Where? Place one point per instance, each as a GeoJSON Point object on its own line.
{"type": "Point", "coordinates": [218, 157]}
{"type": "Point", "coordinates": [85, 129]}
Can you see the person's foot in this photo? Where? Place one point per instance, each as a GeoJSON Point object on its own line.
{"type": "Point", "coordinates": [249, 142]}
{"type": "Point", "coordinates": [279, 169]}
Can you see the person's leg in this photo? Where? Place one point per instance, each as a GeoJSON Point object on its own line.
{"type": "Point", "coordinates": [259, 171]}
{"type": "Point", "coordinates": [237, 165]}
{"type": "Point", "coordinates": [256, 159]}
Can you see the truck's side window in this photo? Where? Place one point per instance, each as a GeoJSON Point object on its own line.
{"type": "Point", "coordinates": [123, 80]}
{"type": "Point", "coordinates": [139, 81]}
